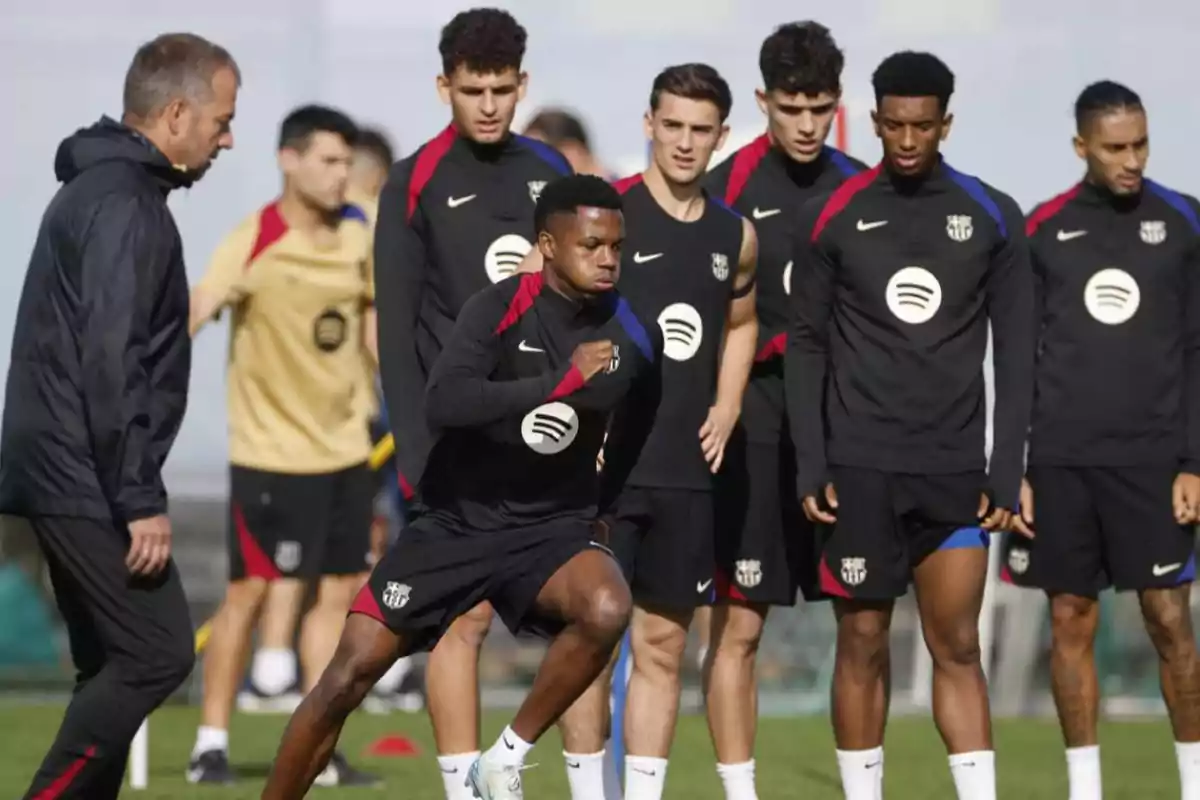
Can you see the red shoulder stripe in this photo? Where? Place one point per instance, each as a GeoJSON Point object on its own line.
{"type": "Point", "coordinates": [841, 198]}
{"type": "Point", "coordinates": [745, 161]}
{"type": "Point", "coordinates": [271, 228]}
{"type": "Point", "coordinates": [1049, 209]}
{"type": "Point", "coordinates": [427, 163]}
{"type": "Point", "coordinates": [527, 291]}
{"type": "Point", "coordinates": [625, 184]}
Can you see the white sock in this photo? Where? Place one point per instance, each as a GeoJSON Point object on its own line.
{"type": "Point", "coordinates": [612, 779]}
{"type": "Point", "coordinates": [974, 775]}
{"type": "Point", "coordinates": [509, 750]}
{"type": "Point", "coordinates": [1083, 772]}
{"type": "Point", "coordinates": [391, 680]}
{"type": "Point", "coordinates": [210, 739]}
{"type": "Point", "coordinates": [862, 773]}
{"type": "Point", "coordinates": [738, 780]}
{"type": "Point", "coordinates": [454, 775]}
{"type": "Point", "coordinates": [701, 655]}
{"type": "Point", "coordinates": [645, 777]}
{"type": "Point", "coordinates": [1188, 755]}
{"type": "Point", "coordinates": [585, 775]}
{"type": "Point", "coordinates": [274, 670]}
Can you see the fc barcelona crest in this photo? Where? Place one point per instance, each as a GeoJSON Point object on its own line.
{"type": "Point", "coordinates": [720, 266]}
{"type": "Point", "coordinates": [1154, 232]}
{"type": "Point", "coordinates": [959, 227]}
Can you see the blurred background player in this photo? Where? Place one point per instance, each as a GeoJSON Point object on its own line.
{"type": "Point", "coordinates": [298, 277]}
{"type": "Point", "coordinates": [455, 217]}
{"type": "Point", "coordinates": [373, 158]}
{"type": "Point", "coordinates": [765, 547]}
{"type": "Point", "coordinates": [1112, 493]}
{"type": "Point", "coordinates": [690, 265]}
{"type": "Point", "coordinates": [511, 507]}
{"type": "Point", "coordinates": [884, 378]}
{"type": "Point", "coordinates": [96, 390]}
{"type": "Point", "coordinates": [565, 132]}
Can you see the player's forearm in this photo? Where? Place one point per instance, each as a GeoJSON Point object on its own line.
{"type": "Point", "coordinates": [804, 390]}
{"type": "Point", "coordinates": [459, 400]}
{"type": "Point", "coordinates": [737, 359]}
{"type": "Point", "coordinates": [1013, 360]}
{"type": "Point", "coordinates": [1191, 409]}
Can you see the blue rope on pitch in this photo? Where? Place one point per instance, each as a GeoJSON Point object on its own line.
{"type": "Point", "coordinates": [620, 685]}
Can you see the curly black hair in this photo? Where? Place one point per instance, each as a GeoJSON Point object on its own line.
{"type": "Point", "coordinates": [486, 40]}
{"type": "Point", "coordinates": [912, 74]}
{"type": "Point", "coordinates": [1101, 98]}
{"type": "Point", "coordinates": [567, 195]}
{"type": "Point", "coordinates": [694, 82]}
{"type": "Point", "coordinates": [801, 58]}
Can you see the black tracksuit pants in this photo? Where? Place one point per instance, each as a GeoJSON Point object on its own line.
{"type": "Point", "coordinates": [131, 641]}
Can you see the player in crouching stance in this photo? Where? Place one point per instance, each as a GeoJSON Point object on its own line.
{"type": "Point", "coordinates": [519, 401]}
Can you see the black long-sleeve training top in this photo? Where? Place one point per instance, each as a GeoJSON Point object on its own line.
{"type": "Point", "coordinates": [101, 356]}
{"type": "Point", "coordinates": [1117, 288]}
{"type": "Point", "coordinates": [454, 218]}
{"type": "Point", "coordinates": [764, 185]}
{"type": "Point", "coordinates": [517, 430]}
{"type": "Point", "coordinates": [894, 285]}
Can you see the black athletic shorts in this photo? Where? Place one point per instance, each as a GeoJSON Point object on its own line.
{"type": "Point", "coordinates": [299, 526]}
{"type": "Point", "coordinates": [664, 541]}
{"type": "Point", "coordinates": [1102, 526]}
{"type": "Point", "coordinates": [888, 523]}
{"type": "Point", "coordinates": [437, 571]}
{"type": "Point", "coordinates": [766, 547]}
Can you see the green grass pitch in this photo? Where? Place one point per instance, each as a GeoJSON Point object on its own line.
{"type": "Point", "coordinates": [795, 758]}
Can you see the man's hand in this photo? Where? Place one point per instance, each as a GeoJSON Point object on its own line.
{"type": "Point", "coordinates": [1185, 498]}
{"type": "Point", "coordinates": [992, 518]}
{"type": "Point", "coordinates": [149, 545]}
{"type": "Point", "coordinates": [1022, 523]}
{"type": "Point", "coordinates": [814, 511]}
{"type": "Point", "coordinates": [715, 433]}
{"type": "Point", "coordinates": [592, 358]}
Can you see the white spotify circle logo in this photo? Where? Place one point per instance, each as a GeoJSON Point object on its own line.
{"type": "Point", "coordinates": [682, 330]}
{"type": "Point", "coordinates": [787, 278]}
{"type": "Point", "coordinates": [1112, 296]}
{"type": "Point", "coordinates": [550, 428]}
{"type": "Point", "coordinates": [914, 295]}
{"type": "Point", "coordinates": [505, 255]}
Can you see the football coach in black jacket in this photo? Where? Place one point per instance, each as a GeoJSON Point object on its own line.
{"type": "Point", "coordinates": [96, 391]}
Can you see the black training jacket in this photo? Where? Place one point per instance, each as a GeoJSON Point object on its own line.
{"type": "Point", "coordinates": [98, 376]}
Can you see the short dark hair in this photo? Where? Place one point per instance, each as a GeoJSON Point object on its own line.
{"type": "Point", "coordinates": [695, 82]}
{"type": "Point", "coordinates": [377, 143]}
{"type": "Point", "coordinates": [297, 128]}
{"type": "Point", "coordinates": [486, 40]}
{"type": "Point", "coordinates": [801, 58]}
{"type": "Point", "coordinates": [557, 126]}
{"type": "Point", "coordinates": [170, 66]}
{"type": "Point", "coordinates": [911, 74]}
{"type": "Point", "coordinates": [1103, 97]}
{"type": "Point", "coordinates": [568, 195]}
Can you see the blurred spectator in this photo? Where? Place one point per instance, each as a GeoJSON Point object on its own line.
{"type": "Point", "coordinates": [373, 157]}
{"type": "Point", "coordinates": [565, 132]}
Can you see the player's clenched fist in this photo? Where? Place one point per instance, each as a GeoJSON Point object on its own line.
{"type": "Point", "coordinates": [592, 358]}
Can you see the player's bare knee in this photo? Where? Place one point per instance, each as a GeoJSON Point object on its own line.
{"type": "Point", "coordinates": [955, 646]}
{"type": "Point", "coordinates": [738, 636]}
{"type": "Point", "coordinates": [245, 597]}
{"type": "Point", "coordinates": [347, 679]}
{"type": "Point", "coordinates": [606, 613]}
{"type": "Point", "coordinates": [658, 645]}
{"type": "Point", "coordinates": [1168, 621]}
{"type": "Point", "coordinates": [1073, 623]}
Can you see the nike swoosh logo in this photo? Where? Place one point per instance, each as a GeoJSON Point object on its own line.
{"type": "Point", "coordinates": [700, 587]}
{"type": "Point", "coordinates": [1066, 236]}
{"type": "Point", "coordinates": [1164, 569]}
{"type": "Point", "coordinates": [507, 744]}
{"type": "Point", "coordinates": [761, 214]}
{"type": "Point", "coordinates": [873, 764]}
{"type": "Point", "coordinates": [450, 771]}
{"type": "Point", "coordinates": [638, 258]}
{"type": "Point", "coordinates": [524, 348]}
{"type": "Point", "coordinates": [573, 764]}
{"type": "Point", "coordinates": [650, 772]}
{"type": "Point", "coordinates": [455, 202]}
{"type": "Point", "coordinates": [870, 226]}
